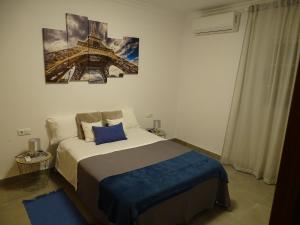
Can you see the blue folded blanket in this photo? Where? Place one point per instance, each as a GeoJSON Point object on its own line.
{"type": "Point", "coordinates": [125, 196]}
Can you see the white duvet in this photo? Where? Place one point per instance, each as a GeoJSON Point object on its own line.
{"type": "Point", "coordinates": [72, 150]}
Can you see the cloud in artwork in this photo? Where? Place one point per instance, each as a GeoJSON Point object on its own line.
{"type": "Point", "coordinates": [129, 49]}
{"type": "Point", "coordinates": [99, 28]}
{"type": "Point", "coordinates": [114, 44]}
{"type": "Point", "coordinates": [55, 46]}
{"type": "Point", "coordinates": [103, 30]}
{"type": "Point", "coordinates": [72, 25]}
{"type": "Point", "coordinates": [77, 29]}
{"type": "Point", "coordinates": [54, 40]}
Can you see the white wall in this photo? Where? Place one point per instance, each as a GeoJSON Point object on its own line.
{"type": "Point", "coordinates": [26, 100]}
{"type": "Point", "coordinates": [208, 71]}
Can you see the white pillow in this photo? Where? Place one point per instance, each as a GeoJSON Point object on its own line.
{"type": "Point", "coordinates": [117, 121]}
{"type": "Point", "coordinates": [61, 127]}
{"type": "Point", "coordinates": [130, 120]}
{"type": "Point", "coordinates": [88, 130]}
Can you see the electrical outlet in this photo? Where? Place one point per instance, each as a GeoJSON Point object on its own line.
{"type": "Point", "coordinates": [24, 131]}
{"type": "Point", "coordinates": [149, 115]}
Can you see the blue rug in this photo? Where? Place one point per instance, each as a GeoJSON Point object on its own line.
{"type": "Point", "coordinates": [54, 208]}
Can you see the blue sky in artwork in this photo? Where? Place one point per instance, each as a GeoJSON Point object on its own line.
{"type": "Point", "coordinates": [131, 49]}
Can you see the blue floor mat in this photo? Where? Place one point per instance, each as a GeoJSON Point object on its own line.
{"type": "Point", "coordinates": [54, 208]}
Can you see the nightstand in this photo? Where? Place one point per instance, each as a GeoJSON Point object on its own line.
{"type": "Point", "coordinates": [28, 164]}
{"type": "Point", "coordinates": [158, 132]}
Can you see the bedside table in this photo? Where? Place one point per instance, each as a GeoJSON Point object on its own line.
{"type": "Point", "coordinates": [158, 132]}
{"type": "Point", "coordinates": [34, 163]}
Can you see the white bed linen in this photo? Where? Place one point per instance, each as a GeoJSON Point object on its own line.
{"type": "Point", "coordinates": [72, 150]}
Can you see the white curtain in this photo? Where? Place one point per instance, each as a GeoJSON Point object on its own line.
{"type": "Point", "coordinates": [263, 90]}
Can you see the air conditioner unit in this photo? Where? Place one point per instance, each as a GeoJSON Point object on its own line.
{"type": "Point", "coordinates": [215, 24]}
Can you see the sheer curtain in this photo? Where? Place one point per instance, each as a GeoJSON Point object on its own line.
{"type": "Point", "coordinates": [263, 89]}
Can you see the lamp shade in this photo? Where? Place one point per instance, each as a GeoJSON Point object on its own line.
{"type": "Point", "coordinates": [34, 144]}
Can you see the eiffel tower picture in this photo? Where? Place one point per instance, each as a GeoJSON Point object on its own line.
{"type": "Point", "coordinates": [84, 53]}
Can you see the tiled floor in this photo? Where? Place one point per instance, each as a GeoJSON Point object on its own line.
{"type": "Point", "coordinates": [251, 200]}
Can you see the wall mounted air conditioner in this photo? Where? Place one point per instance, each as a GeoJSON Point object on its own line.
{"type": "Point", "coordinates": [215, 24]}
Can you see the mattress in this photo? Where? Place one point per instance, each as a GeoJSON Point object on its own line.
{"type": "Point", "coordinates": [72, 150]}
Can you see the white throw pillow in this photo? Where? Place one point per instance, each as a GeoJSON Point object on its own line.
{"type": "Point", "coordinates": [61, 127]}
{"type": "Point", "coordinates": [88, 130]}
{"type": "Point", "coordinates": [130, 120]}
{"type": "Point", "coordinates": [117, 121]}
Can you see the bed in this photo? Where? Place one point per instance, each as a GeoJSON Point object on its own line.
{"type": "Point", "coordinates": [84, 165]}
{"type": "Point", "coordinates": [142, 180]}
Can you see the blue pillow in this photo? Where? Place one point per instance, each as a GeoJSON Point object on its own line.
{"type": "Point", "coordinates": [109, 134]}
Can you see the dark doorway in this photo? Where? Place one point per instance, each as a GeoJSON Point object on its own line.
{"type": "Point", "coordinates": [286, 209]}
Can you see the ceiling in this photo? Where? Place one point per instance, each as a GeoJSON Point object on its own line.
{"type": "Point", "coordinates": [192, 5]}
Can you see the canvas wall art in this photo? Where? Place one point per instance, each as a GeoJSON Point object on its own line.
{"type": "Point", "coordinates": [84, 52]}
{"type": "Point", "coordinates": [126, 53]}
{"type": "Point", "coordinates": [97, 52]}
{"type": "Point", "coordinates": [55, 56]}
{"type": "Point", "coordinates": [77, 36]}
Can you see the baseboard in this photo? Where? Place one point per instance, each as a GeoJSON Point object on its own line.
{"type": "Point", "coordinates": [204, 151]}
